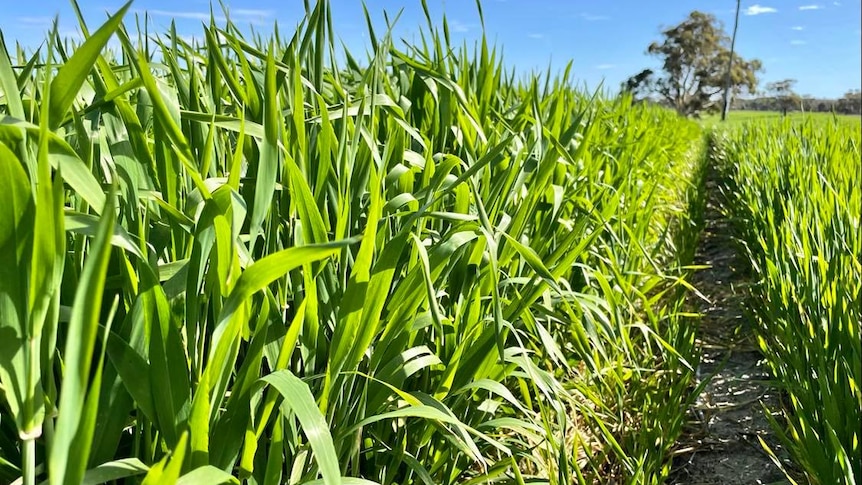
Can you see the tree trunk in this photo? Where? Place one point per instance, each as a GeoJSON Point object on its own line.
{"type": "Point", "coordinates": [726, 107]}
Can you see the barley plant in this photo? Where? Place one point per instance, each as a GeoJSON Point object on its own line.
{"type": "Point", "coordinates": [794, 192]}
{"type": "Point", "coordinates": [265, 259]}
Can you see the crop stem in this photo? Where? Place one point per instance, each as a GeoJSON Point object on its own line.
{"type": "Point", "coordinates": [30, 461]}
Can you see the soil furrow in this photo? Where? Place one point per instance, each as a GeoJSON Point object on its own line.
{"type": "Point", "coordinates": [720, 445]}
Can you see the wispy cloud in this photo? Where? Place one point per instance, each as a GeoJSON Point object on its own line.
{"type": "Point", "coordinates": [605, 67]}
{"type": "Point", "coordinates": [240, 14]}
{"type": "Point", "coordinates": [837, 4]}
{"type": "Point", "coordinates": [759, 9]}
{"type": "Point", "coordinates": [797, 28]}
{"type": "Point", "coordinates": [179, 14]}
{"type": "Point", "coordinates": [798, 42]}
{"type": "Point", "coordinates": [811, 7]}
{"type": "Point", "coordinates": [251, 12]}
{"type": "Point", "coordinates": [458, 26]}
{"type": "Point", "coordinates": [536, 36]}
{"type": "Point", "coordinates": [34, 20]}
{"type": "Point", "coordinates": [594, 18]}
{"type": "Point", "coordinates": [193, 39]}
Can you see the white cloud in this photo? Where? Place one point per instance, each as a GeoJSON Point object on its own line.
{"type": "Point", "coordinates": [593, 18]}
{"type": "Point", "coordinates": [604, 67]}
{"type": "Point", "coordinates": [837, 4]}
{"type": "Point", "coordinates": [811, 7]}
{"type": "Point", "coordinates": [250, 12]}
{"type": "Point", "coordinates": [41, 21]}
{"type": "Point", "coordinates": [193, 39]}
{"type": "Point", "coordinates": [798, 42]}
{"type": "Point", "coordinates": [759, 9]}
{"type": "Point", "coordinates": [179, 14]}
{"type": "Point", "coordinates": [797, 28]}
{"type": "Point", "coordinates": [458, 26]}
{"type": "Point", "coordinates": [536, 36]}
{"type": "Point", "coordinates": [255, 16]}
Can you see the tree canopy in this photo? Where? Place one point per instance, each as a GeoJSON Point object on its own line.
{"type": "Point", "coordinates": [784, 94]}
{"type": "Point", "coordinates": [694, 57]}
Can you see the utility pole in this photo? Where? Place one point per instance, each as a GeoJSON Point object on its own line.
{"type": "Point", "coordinates": [726, 107]}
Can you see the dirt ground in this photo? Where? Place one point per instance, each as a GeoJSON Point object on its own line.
{"type": "Point", "coordinates": [720, 445]}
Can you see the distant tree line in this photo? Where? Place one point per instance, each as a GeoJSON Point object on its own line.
{"type": "Point", "coordinates": [784, 101]}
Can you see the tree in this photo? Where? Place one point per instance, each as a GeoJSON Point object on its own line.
{"type": "Point", "coordinates": [850, 103]}
{"type": "Point", "coordinates": [695, 57]}
{"type": "Point", "coordinates": [784, 95]}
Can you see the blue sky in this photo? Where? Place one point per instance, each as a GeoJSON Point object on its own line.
{"type": "Point", "coordinates": [816, 42]}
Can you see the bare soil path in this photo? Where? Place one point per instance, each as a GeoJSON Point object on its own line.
{"type": "Point", "coordinates": [720, 445]}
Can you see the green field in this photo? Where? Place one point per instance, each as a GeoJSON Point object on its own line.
{"type": "Point", "coordinates": [735, 118]}
{"type": "Point", "coordinates": [236, 261]}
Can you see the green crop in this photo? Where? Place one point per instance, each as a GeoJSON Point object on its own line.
{"type": "Point", "coordinates": [238, 260]}
{"type": "Point", "coordinates": [794, 194]}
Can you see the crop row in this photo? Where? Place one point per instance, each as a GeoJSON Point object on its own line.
{"type": "Point", "coordinates": [794, 194]}
{"type": "Point", "coordinates": [236, 259]}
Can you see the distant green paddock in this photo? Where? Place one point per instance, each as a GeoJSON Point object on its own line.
{"type": "Point", "coordinates": [735, 118]}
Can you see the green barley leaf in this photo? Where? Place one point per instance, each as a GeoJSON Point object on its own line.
{"type": "Point", "coordinates": [206, 475]}
{"type": "Point", "coordinates": [80, 344]}
{"type": "Point", "coordinates": [9, 83]}
{"type": "Point", "coordinates": [114, 470]}
{"type": "Point", "coordinates": [16, 220]}
{"type": "Point", "coordinates": [134, 373]}
{"type": "Point", "coordinates": [64, 158]}
{"type": "Point", "coordinates": [344, 481]}
{"type": "Point", "coordinates": [298, 400]}
{"type": "Point", "coordinates": [71, 76]}
{"type": "Point", "coordinates": [268, 162]}
{"type": "Point", "coordinates": [79, 455]}
{"type": "Point", "coordinates": [167, 471]}
{"type": "Point", "coordinates": [255, 278]}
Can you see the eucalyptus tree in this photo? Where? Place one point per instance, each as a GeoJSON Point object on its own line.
{"type": "Point", "coordinates": [694, 57]}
